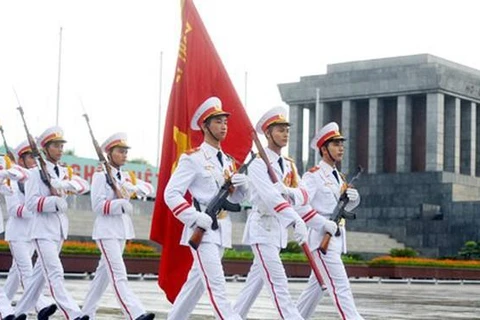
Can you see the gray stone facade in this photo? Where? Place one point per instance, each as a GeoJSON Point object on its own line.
{"type": "Point", "coordinates": [412, 123]}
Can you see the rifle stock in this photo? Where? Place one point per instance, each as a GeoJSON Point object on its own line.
{"type": "Point", "coordinates": [215, 206]}
{"type": "Point", "coordinates": [338, 213]}
{"type": "Point", "coordinates": [103, 161]}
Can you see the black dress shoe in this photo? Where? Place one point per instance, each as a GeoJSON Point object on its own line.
{"type": "Point", "coordinates": [10, 317]}
{"type": "Point", "coordinates": [146, 316]}
{"type": "Point", "coordinates": [23, 316]}
{"type": "Point", "coordinates": [82, 318]}
{"type": "Point", "coordinates": [46, 312]}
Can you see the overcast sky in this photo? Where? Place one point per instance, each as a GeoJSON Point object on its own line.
{"type": "Point", "coordinates": [111, 54]}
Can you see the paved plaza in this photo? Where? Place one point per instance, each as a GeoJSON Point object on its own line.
{"type": "Point", "coordinates": [375, 300]}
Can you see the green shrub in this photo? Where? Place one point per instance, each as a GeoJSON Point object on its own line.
{"type": "Point", "coordinates": [292, 247]}
{"type": "Point", "coordinates": [470, 250]}
{"type": "Point", "coordinates": [405, 252]}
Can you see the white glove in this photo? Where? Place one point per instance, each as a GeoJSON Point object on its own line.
{"type": "Point", "coordinates": [127, 207]}
{"type": "Point", "coordinates": [62, 185]}
{"type": "Point", "coordinates": [300, 232]}
{"type": "Point", "coordinates": [204, 221]}
{"type": "Point", "coordinates": [142, 190]}
{"type": "Point", "coordinates": [352, 194]}
{"type": "Point", "coordinates": [330, 227]}
{"type": "Point", "coordinates": [121, 206]}
{"type": "Point", "coordinates": [61, 204]}
{"type": "Point", "coordinates": [6, 190]}
{"type": "Point", "coordinates": [239, 179]}
{"type": "Point", "coordinates": [3, 174]}
{"type": "Point", "coordinates": [16, 174]}
{"type": "Point", "coordinates": [129, 187]}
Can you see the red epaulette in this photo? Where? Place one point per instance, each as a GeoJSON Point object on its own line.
{"type": "Point", "coordinates": [313, 169]}
{"type": "Point", "coordinates": [193, 150]}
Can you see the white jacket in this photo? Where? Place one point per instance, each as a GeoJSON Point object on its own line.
{"type": "Point", "coordinates": [272, 213]}
{"type": "Point", "coordinates": [48, 222]}
{"type": "Point", "coordinates": [113, 221]}
{"type": "Point", "coordinates": [324, 192]}
{"type": "Point", "coordinates": [199, 172]}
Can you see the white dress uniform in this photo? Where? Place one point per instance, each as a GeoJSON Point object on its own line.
{"type": "Point", "coordinates": [49, 230]}
{"type": "Point", "coordinates": [324, 191]}
{"type": "Point", "coordinates": [201, 174]}
{"type": "Point", "coordinates": [266, 228]}
{"type": "Point", "coordinates": [113, 226]}
{"type": "Point", "coordinates": [5, 306]}
{"type": "Point", "coordinates": [17, 233]}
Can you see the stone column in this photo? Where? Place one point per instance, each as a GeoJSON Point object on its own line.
{"type": "Point", "coordinates": [375, 136]}
{"type": "Point", "coordinates": [348, 131]}
{"type": "Point", "coordinates": [468, 136]}
{"type": "Point", "coordinates": [434, 132]}
{"type": "Point", "coordinates": [312, 125]}
{"type": "Point", "coordinates": [404, 133]}
{"type": "Point", "coordinates": [320, 121]}
{"type": "Point", "coordinates": [295, 143]}
{"type": "Point", "coordinates": [452, 135]}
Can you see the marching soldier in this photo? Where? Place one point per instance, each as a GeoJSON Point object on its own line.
{"type": "Point", "coordinates": [6, 310]}
{"type": "Point", "coordinates": [272, 214]}
{"type": "Point", "coordinates": [113, 226]}
{"type": "Point", "coordinates": [324, 185]}
{"type": "Point", "coordinates": [50, 225]}
{"type": "Point", "coordinates": [202, 171]}
{"type": "Point", "coordinates": [18, 231]}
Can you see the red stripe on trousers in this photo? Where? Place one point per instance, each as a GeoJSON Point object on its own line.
{"type": "Point", "coordinates": [270, 281]}
{"type": "Point", "coordinates": [337, 302]}
{"type": "Point", "coordinates": [209, 289]}
{"type": "Point", "coordinates": [113, 278]}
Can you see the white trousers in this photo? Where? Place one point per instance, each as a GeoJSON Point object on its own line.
{"type": "Point", "coordinates": [20, 273]}
{"type": "Point", "coordinates": [335, 277]}
{"type": "Point", "coordinates": [5, 307]}
{"type": "Point", "coordinates": [267, 268]}
{"type": "Point", "coordinates": [49, 269]}
{"type": "Point", "coordinates": [111, 269]}
{"type": "Point", "coordinates": [206, 273]}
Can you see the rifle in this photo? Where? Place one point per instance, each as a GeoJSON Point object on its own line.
{"type": "Point", "coordinates": [42, 165]}
{"type": "Point", "coordinates": [103, 161]}
{"type": "Point", "coordinates": [5, 145]}
{"type": "Point", "coordinates": [10, 158]}
{"type": "Point", "coordinates": [274, 179]}
{"type": "Point", "coordinates": [339, 212]}
{"type": "Point", "coordinates": [218, 203]}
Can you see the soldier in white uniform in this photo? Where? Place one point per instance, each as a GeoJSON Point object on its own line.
{"type": "Point", "coordinates": [202, 171]}
{"type": "Point", "coordinates": [113, 226]}
{"type": "Point", "coordinates": [272, 214]}
{"type": "Point", "coordinates": [6, 310]}
{"type": "Point", "coordinates": [325, 184]}
{"type": "Point", "coordinates": [50, 225]}
{"type": "Point", "coordinates": [17, 233]}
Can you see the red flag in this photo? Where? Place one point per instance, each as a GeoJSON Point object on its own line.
{"type": "Point", "coordinates": [199, 75]}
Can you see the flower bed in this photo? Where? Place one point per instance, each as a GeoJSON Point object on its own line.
{"type": "Point", "coordinates": [83, 257]}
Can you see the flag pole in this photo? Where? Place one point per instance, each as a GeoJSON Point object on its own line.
{"type": "Point", "coordinates": [59, 73]}
{"type": "Point", "coordinates": [246, 86]}
{"type": "Point", "coordinates": [317, 120]}
{"type": "Point", "coordinates": [159, 110]}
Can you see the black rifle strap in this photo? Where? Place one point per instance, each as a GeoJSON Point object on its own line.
{"type": "Point", "coordinates": [196, 204]}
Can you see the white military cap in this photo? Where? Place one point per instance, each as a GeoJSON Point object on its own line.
{"type": "Point", "coordinates": [118, 139]}
{"type": "Point", "coordinates": [209, 108]}
{"type": "Point", "coordinates": [51, 134]}
{"type": "Point", "coordinates": [329, 132]}
{"type": "Point", "coordinates": [276, 115]}
{"type": "Point", "coordinates": [22, 148]}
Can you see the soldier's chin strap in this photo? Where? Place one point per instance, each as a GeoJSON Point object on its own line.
{"type": "Point", "coordinates": [207, 125]}
{"type": "Point", "coordinates": [110, 159]}
{"type": "Point", "coordinates": [328, 152]}
{"type": "Point", "coordinates": [273, 139]}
